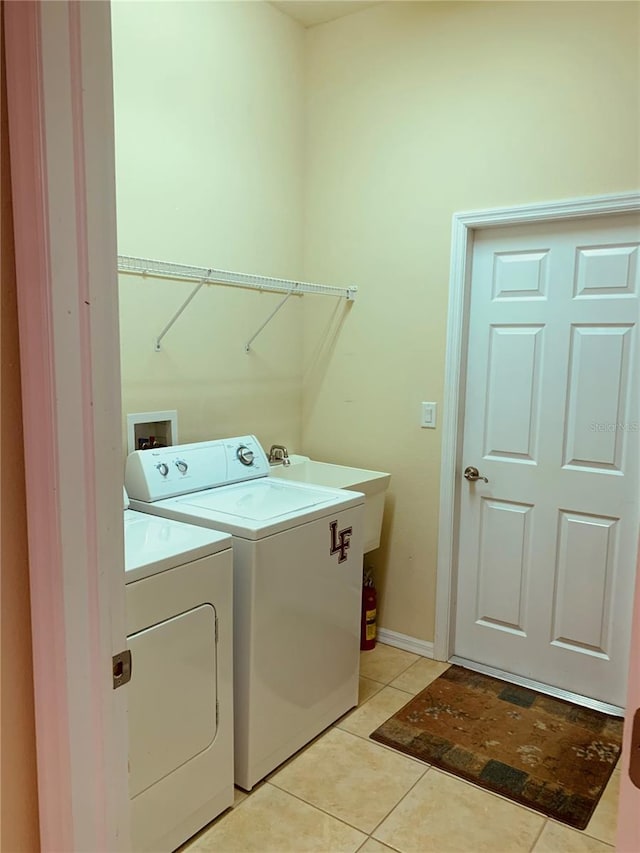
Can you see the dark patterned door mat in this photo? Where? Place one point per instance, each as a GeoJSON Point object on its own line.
{"type": "Point", "coordinates": [545, 753]}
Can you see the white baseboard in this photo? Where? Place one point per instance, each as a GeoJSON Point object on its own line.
{"type": "Point", "coordinates": [408, 644]}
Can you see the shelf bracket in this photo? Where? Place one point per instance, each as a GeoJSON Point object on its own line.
{"type": "Point", "coordinates": [247, 346]}
{"type": "Point", "coordinates": [178, 313]}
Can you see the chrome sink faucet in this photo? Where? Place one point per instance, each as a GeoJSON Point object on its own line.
{"type": "Point", "coordinates": [279, 455]}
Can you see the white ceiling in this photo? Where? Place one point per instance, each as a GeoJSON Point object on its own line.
{"type": "Point", "coordinates": [312, 12]}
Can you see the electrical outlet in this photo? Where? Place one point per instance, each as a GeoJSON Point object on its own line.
{"type": "Point", "coordinates": [429, 414]}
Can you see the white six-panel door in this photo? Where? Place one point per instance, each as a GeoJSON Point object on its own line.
{"type": "Point", "coordinates": [547, 546]}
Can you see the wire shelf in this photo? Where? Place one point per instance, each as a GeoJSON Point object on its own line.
{"type": "Point", "coordinates": [164, 269]}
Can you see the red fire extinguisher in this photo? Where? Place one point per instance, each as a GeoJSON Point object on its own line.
{"type": "Point", "coordinates": [368, 621]}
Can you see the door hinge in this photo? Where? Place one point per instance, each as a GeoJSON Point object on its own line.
{"type": "Point", "coordinates": [634, 756]}
{"type": "Point", "coordinates": [121, 668]}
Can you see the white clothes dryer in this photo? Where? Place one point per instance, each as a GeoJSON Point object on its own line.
{"type": "Point", "coordinates": [179, 599]}
{"type": "Point", "coordinates": [297, 554]}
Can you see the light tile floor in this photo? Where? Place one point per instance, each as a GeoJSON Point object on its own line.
{"type": "Point", "coordinates": [344, 793]}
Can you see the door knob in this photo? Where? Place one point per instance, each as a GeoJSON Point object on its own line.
{"type": "Point", "coordinates": [472, 474]}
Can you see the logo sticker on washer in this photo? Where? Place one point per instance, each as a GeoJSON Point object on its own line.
{"type": "Point", "coordinates": [340, 541]}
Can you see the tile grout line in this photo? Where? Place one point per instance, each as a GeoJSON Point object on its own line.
{"type": "Point", "coordinates": [533, 846]}
{"type": "Point", "coordinates": [373, 680]}
{"type": "Point", "coordinates": [386, 844]}
{"type": "Point", "coordinates": [320, 809]}
{"type": "Point", "coordinates": [582, 832]}
{"type": "Point", "coordinates": [384, 687]}
{"type": "Point", "coordinates": [585, 833]}
{"type": "Point", "coordinates": [387, 683]}
{"type": "Point", "coordinates": [371, 838]}
{"type": "Point", "coordinates": [367, 739]}
{"type": "Point", "coordinates": [345, 717]}
{"type": "Point", "coordinates": [406, 794]}
{"type": "Point", "coordinates": [502, 797]}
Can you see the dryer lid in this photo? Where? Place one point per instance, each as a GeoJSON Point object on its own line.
{"type": "Point", "coordinates": [153, 544]}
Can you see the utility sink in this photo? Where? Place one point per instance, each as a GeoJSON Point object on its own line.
{"type": "Point", "coordinates": [373, 484]}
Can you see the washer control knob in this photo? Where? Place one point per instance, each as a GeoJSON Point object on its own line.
{"type": "Point", "coordinates": [163, 468]}
{"type": "Point", "coordinates": [245, 455]}
{"type": "Point", "coordinates": [181, 465]}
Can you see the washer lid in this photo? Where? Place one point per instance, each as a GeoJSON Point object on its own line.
{"type": "Point", "coordinates": [153, 544]}
{"type": "Point", "coordinates": [256, 509]}
{"type": "Point", "coordinates": [260, 500]}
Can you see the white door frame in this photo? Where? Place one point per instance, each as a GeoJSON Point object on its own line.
{"type": "Point", "coordinates": [60, 101]}
{"type": "Point", "coordinates": [464, 227]}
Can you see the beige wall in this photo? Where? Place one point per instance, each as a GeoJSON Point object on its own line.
{"type": "Point", "coordinates": [209, 122]}
{"type": "Point", "coordinates": [415, 111]}
{"type": "Point", "coordinates": [340, 153]}
{"type": "Point", "coordinates": [19, 831]}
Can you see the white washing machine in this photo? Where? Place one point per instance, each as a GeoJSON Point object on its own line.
{"type": "Point", "coordinates": [297, 557]}
{"type": "Point", "coordinates": [179, 597]}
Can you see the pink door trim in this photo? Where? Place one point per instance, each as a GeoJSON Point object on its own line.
{"type": "Point", "coordinates": [29, 168]}
{"type": "Point", "coordinates": [63, 179]}
{"type": "Point", "coordinates": [628, 838]}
